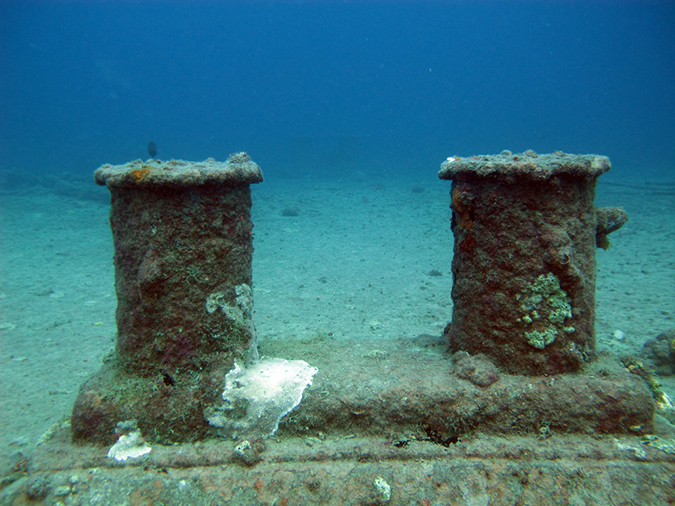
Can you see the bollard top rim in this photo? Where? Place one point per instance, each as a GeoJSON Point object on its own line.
{"type": "Point", "coordinates": [527, 164]}
{"type": "Point", "coordinates": [237, 170]}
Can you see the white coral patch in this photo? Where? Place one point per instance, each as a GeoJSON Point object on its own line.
{"type": "Point", "coordinates": [268, 389]}
{"type": "Point", "coordinates": [130, 446]}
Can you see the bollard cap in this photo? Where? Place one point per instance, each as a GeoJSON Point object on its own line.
{"type": "Point", "coordinates": [239, 169]}
{"type": "Point", "coordinates": [528, 164]}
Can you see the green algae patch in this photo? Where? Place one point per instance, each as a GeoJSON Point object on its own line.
{"type": "Point", "coordinates": [547, 307]}
{"type": "Point", "coordinates": [540, 338]}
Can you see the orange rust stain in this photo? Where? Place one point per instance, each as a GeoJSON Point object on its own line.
{"type": "Point", "coordinates": [465, 222]}
{"type": "Point", "coordinates": [146, 494]}
{"type": "Point", "coordinates": [462, 210]}
{"type": "Point", "coordinates": [455, 198]}
{"type": "Point", "coordinates": [139, 175]}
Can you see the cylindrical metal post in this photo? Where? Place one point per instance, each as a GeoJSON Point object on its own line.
{"type": "Point", "coordinates": [524, 258]}
{"type": "Point", "coordinates": [183, 247]}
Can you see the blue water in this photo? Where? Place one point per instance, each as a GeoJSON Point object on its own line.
{"type": "Point", "coordinates": [325, 89]}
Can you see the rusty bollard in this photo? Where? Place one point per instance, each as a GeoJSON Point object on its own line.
{"type": "Point", "coordinates": [183, 247]}
{"type": "Point", "coordinates": [524, 258]}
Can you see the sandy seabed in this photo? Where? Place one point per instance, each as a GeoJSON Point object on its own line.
{"type": "Point", "coordinates": [355, 262]}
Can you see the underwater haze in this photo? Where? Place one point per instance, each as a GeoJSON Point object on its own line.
{"type": "Point", "coordinates": [349, 108]}
{"type": "Point", "coordinates": [328, 89]}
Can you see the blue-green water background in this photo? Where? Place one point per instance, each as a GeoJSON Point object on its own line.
{"type": "Point", "coordinates": [323, 89]}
